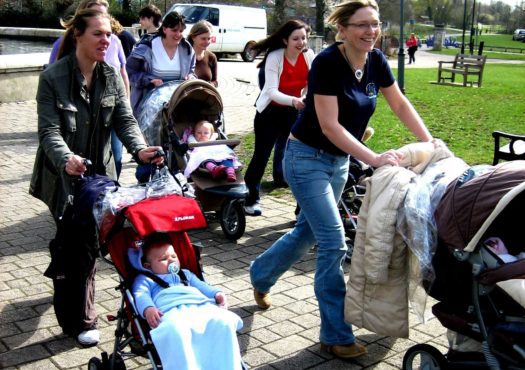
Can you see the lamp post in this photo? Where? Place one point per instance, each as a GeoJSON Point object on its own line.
{"type": "Point", "coordinates": [464, 28]}
{"type": "Point", "coordinates": [472, 30]}
{"type": "Point", "coordinates": [401, 52]}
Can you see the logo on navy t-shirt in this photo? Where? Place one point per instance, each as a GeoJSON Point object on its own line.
{"type": "Point", "coordinates": [371, 90]}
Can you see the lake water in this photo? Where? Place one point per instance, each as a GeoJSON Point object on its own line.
{"type": "Point", "coordinates": [23, 46]}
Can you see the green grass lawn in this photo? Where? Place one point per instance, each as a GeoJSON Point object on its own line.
{"type": "Point", "coordinates": [463, 117]}
{"type": "Point", "coordinates": [505, 41]}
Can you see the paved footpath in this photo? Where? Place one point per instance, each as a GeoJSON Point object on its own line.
{"type": "Point", "coordinates": [284, 337]}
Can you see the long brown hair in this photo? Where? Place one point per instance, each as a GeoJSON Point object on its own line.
{"type": "Point", "coordinates": [76, 26]}
{"type": "Point", "coordinates": [198, 29]}
{"type": "Point", "coordinates": [275, 40]}
{"type": "Point", "coordinates": [66, 46]}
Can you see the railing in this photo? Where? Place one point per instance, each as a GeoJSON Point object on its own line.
{"type": "Point", "coordinates": [502, 48]}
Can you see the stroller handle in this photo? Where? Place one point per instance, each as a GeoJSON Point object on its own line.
{"type": "Point", "coordinates": [229, 142]}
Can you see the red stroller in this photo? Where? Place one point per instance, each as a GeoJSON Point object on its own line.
{"type": "Point", "coordinates": [481, 296]}
{"type": "Point", "coordinates": [172, 214]}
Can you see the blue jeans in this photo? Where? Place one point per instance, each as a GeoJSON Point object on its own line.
{"type": "Point", "coordinates": [316, 179]}
{"type": "Point", "coordinates": [116, 148]}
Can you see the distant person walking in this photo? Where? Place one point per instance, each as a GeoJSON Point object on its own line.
{"type": "Point", "coordinates": [126, 38]}
{"type": "Point", "coordinates": [412, 44]}
{"type": "Point", "coordinates": [149, 19]}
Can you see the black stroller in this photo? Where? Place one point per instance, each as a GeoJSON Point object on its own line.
{"type": "Point", "coordinates": [481, 297]}
{"type": "Point", "coordinates": [351, 200]}
{"type": "Point", "coordinates": [165, 114]}
{"type": "Point", "coordinates": [352, 196]}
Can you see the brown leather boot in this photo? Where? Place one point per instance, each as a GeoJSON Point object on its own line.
{"type": "Point", "coordinates": [345, 350]}
{"type": "Point", "coordinates": [263, 300]}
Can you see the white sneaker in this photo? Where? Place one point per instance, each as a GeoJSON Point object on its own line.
{"type": "Point", "coordinates": [89, 337]}
{"type": "Point", "coordinates": [253, 210]}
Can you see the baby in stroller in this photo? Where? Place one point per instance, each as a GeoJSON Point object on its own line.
{"type": "Point", "coordinates": [219, 160]}
{"type": "Point", "coordinates": [188, 316]}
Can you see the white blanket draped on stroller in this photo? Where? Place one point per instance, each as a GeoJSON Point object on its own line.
{"type": "Point", "coordinates": [191, 336]}
{"type": "Point", "coordinates": [216, 153]}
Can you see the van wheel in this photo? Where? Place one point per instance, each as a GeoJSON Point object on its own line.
{"type": "Point", "coordinates": [248, 54]}
{"type": "Point", "coordinates": [232, 219]}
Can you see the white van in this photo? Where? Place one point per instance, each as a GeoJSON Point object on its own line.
{"type": "Point", "coordinates": [235, 28]}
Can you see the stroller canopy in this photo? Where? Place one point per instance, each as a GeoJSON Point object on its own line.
{"type": "Point", "coordinates": [185, 102]}
{"type": "Point", "coordinates": [192, 101]}
{"type": "Point", "coordinates": [468, 209]}
{"type": "Point", "coordinates": [149, 115]}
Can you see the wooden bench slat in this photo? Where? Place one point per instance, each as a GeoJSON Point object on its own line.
{"type": "Point", "coordinates": [465, 65]}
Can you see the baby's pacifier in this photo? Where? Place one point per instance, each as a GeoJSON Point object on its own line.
{"type": "Point", "coordinates": [174, 267]}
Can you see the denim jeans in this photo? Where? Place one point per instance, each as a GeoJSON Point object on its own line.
{"type": "Point", "coordinates": [270, 125]}
{"type": "Point", "coordinates": [316, 179]}
{"type": "Point", "coordinates": [116, 148]}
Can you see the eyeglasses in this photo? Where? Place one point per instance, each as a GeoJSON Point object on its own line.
{"type": "Point", "coordinates": [365, 26]}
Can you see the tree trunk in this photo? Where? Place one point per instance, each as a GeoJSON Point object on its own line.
{"type": "Point", "coordinates": [278, 15]}
{"type": "Point", "coordinates": [320, 8]}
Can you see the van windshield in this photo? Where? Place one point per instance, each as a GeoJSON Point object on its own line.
{"type": "Point", "coordinates": [195, 13]}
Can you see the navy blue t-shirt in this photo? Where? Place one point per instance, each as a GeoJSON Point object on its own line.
{"type": "Point", "coordinates": [331, 75]}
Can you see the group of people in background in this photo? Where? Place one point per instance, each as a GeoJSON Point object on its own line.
{"type": "Point", "coordinates": [312, 111]}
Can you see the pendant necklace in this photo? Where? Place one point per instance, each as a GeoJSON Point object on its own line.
{"type": "Point", "coordinates": [358, 72]}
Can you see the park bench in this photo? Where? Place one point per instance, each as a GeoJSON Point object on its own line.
{"type": "Point", "coordinates": [464, 65]}
{"type": "Point", "coordinates": [508, 147]}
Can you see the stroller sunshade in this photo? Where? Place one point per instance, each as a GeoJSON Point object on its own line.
{"type": "Point", "coordinates": [466, 211]}
{"type": "Point", "coordinates": [166, 214]}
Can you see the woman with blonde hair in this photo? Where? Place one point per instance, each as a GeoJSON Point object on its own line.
{"type": "Point", "coordinates": [80, 100]}
{"type": "Point", "coordinates": [343, 86]}
{"type": "Point", "coordinates": [115, 56]}
{"type": "Point", "coordinates": [206, 62]}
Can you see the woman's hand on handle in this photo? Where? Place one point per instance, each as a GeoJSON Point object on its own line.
{"type": "Point", "coordinates": [151, 155]}
{"type": "Point", "coordinates": [392, 157]}
{"type": "Point", "coordinates": [75, 166]}
{"type": "Point", "coordinates": [156, 82]}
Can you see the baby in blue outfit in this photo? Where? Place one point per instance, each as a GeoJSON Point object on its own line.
{"type": "Point", "coordinates": [189, 322]}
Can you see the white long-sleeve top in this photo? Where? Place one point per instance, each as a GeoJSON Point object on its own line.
{"type": "Point", "coordinates": [272, 74]}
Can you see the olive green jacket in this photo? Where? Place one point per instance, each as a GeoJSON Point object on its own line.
{"type": "Point", "coordinates": [68, 124]}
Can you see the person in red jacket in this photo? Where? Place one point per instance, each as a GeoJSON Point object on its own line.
{"type": "Point", "coordinates": [412, 48]}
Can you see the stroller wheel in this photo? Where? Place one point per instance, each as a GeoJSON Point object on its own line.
{"type": "Point", "coordinates": [95, 363]}
{"type": "Point", "coordinates": [424, 357]}
{"type": "Point", "coordinates": [232, 219]}
{"type": "Point", "coordinates": [118, 361]}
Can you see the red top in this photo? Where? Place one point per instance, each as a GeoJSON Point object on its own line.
{"type": "Point", "coordinates": [412, 41]}
{"type": "Point", "coordinates": [294, 77]}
